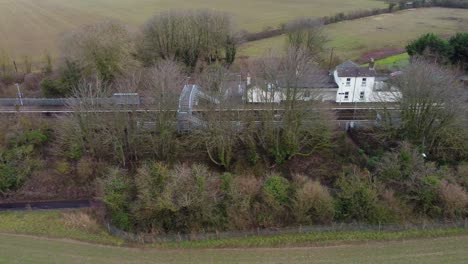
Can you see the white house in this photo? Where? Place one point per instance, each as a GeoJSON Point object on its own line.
{"type": "Point", "coordinates": [318, 86]}
{"type": "Point", "coordinates": [361, 85]}
{"type": "Point", "coordinates": [355, 83]}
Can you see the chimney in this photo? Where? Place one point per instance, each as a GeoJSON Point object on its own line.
{"type": "Point", "coordinates": [372, 64]}
{"type": "Point", "coordinates": [249, 79]}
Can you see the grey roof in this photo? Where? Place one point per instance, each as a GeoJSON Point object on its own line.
{"type": "Point", "coordinates": [317, 80]}
{"type": "Point", "coordinates": [351, 69]}
{"type": "Point", "coordinates": [347, 64]}
{"type": "Point", "coordinates": [356, 72]}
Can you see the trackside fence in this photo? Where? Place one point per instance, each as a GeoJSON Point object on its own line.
{"type": "Point", "coordinates": [179, 237]}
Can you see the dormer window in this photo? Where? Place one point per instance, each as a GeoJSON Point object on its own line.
{"type": "Point", "coordinates": [348, 81]}
{"type": "Point", "coordinates": [364, 81]}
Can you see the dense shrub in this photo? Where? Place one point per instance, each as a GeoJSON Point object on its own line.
{"type": "Point", "coordinates": [117, 197]}
{"type": "Point", "coordinates": [433, 47]}
{"type": "Point", "coordinates": [420, 184]}
{"type": "Point", "coordinates": [312, 202]}
{"type": "Point", "coordinates": [459, 44]}
{"type": "Point", "coordinates": [357, 200]}
{"type": "Point", "coordinates": [53, 88]}
{"type": "Point", "coordinates": [85, 168]}
{"type": "Point", "coordinates": [430, 45]}
{"type": "Point", "coordinates": [183, 199]}
{"type": "Point", "coordinates": [63, 167]}
{"type": "Point", "coordinates": [69, 77]}
{"type": "Point", "coordinates": [425, 194]}
{"type": "Point", "coordinates": [272, 207]}
{"type": "Point", "coordinates": [104, 50]}
{"type": "Point", "coordinates": [240, 195]}
{"type": "Point", "coordinates": [399, 166]}
{"type": "Point", "coordinates": [20, 151]}
{"type": "Point", "coordinates": [454, 199]}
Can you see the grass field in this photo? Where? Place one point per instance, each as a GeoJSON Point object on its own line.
{"type": "Point", "coordinates": [352, 39]}
{"type": "Point", "coordinates": [77, 225]}
{"type": "Point", "coordinates": [63, 236]}
{"type": "Point", "coordinates": [23, 249]}
{"type": "Point", "coordinates": [28, 27]}
{"type": "Point", "coordinates": [71, 224]}
{"type": "Point", "coordinates": [399, 60]}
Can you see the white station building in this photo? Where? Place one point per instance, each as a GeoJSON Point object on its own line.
{"type": "Point", "coordinates": [347, 83]}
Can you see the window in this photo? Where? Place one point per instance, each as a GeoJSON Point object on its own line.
{"type": "Point", "coordinates": [307, 94]}
{"type": "Point", "coordinates": [361, 96]}
{"type": "Point", "coordinates": [364, 81]}
{"type": "Point", "coordinates": [346, 95]}
{"type": "Point", "coordinates": [348, 81]}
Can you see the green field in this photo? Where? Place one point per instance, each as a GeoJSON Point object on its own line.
{"type": "Point", "coordinates": [70, 224]}
{"type": "Point", "coordinates": [66, 236]}
{"type": "Point", "coordinates": [399, 60]}
{"type": "Point", "coordinates": [351, 39]}
{"type": "Point", "coordinates": [28, 27]}
{"type": "Point", "coordinates": [23, 249]}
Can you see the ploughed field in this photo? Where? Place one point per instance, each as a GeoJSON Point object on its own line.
{"type": "Point", "coordinates": [24, 249]}
{"type": "Point", "coordinates": [387, 32]}
{"type": "Point", "coordinates": [29, 27]}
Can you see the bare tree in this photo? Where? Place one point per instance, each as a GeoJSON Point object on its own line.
{"type": "Point", "coordinates": [430, 100]}
{"type": "Point", "coordinates": [188, 36]}
{"type": "Point", "coordinates": [295, 126]}
{"type": "Point", "coordinates": [213, 78]}
{"type": "Point", "coordinates": [100, 127]}
{"type": "Point", "coordinates": [306, 35]}
{"type": "Point", "coordinates": [162, 86]}
{"type": "Point", "coordinates": [105, 49]}
{"type": "Point", "coordinates": [220, 133]}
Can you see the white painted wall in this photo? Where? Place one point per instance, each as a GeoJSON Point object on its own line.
{"type": "Point", "coordinates": [353, 89]}
{"type": "Point", "coordinates": [259, 95]}
{"type": "Point", "coordinates": [372, 89]}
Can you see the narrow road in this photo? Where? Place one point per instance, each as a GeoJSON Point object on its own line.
{"type": "Point", "coordinates": [45, 205]}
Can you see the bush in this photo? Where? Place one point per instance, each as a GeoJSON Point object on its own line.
{"type": "Point", "coordinates": [70, 77]}
{"type": "Point", "coordinates": [425, 195]}
{"type": "Point", "coordinates": [63, 167]}
{"type": "Point", "coordinates": [19, 153]}
{"type": "Point", "coordinates": [312, 202]}
{"type": "Point", "coordinates": [8, 179]}
{"type": "Point", "coordinates": [271, 209]}
{"type": "Point", "coordinates": [104, 50]}
{"type": "Point", "coordinates": [454, 200]}
{"type": "Point", "coordinates": [201, 189]}
{"type": "Point", "coordinates": [239, 198]}
{"type": "Point", "coordinates": [398, 210]}
{"type": "Point", "coordinates": [276, 189]}
{"type": "Point", "coordinates": [117, 195]}
{"type": "Point", "coordinates": [401, 165]}
{"type": "Point", "coordinates": [431, 46]}
{"type": "Point", "coordinates": [85, 168]}
{"type": "Point", "coordinates": [53, 88]}
{"type": "Point", "coordinates": [357, 200]}
{"type": "Point", "coordinates": [183, 199]}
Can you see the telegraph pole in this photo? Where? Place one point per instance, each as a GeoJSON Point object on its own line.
{"type": "Point", "coordinates": [20, 96]}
